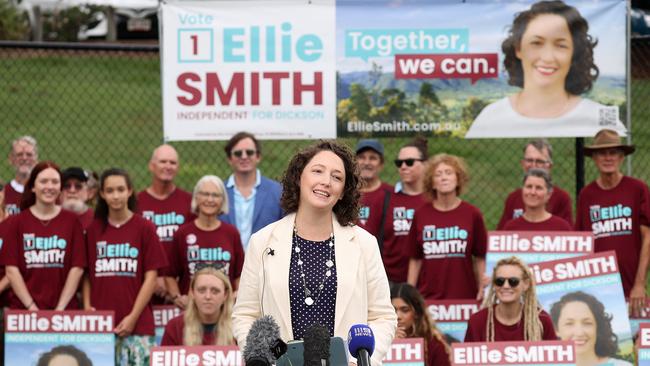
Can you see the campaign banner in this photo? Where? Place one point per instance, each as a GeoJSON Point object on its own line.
{"type": "Point", "coordinates": [38, 337]}
{"type": "Point", "coordinates": [162, 314]}
{"type": "Point", "coordinates": [643, 355]}
{"type": "Point", "coordinates": [536, 246]}
{"type": "Point", "coordinates": [514, 353]}
{"type": "Point", "coordinates": [454, 68]}
{"type": "Point", "coordinates": [405, 352]}
{"type": "Point", "coordinates": [259, 66]}
{"type": "Point", "coordinates": [196, 356]}
{"type": "Point", "coordinates": [584, 297]}
{"type": "Point", "coordinates": [451, 316]}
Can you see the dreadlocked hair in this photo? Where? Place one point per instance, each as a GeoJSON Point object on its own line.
{"type": "Point", "coordinates": [533, 328]}
{"type": "Point", "coordinates": [423, 325]}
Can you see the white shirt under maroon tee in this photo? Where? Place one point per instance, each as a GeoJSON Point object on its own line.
{"type": "Point", "coordinates": [118, 258]}
{"type": "Point", "coordinates": [44, 252]}
{"type": "Point", "coordinates": [615, 216]}
{"type": "Point", "coordinates": [446, 242]}
{"type": "Point", "coordinates": [394, 254]}
{"type": "Point", "coordinates": [193, 246]}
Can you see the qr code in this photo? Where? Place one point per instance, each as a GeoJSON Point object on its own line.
{"type": "Point", "coordinates": [607, 116]}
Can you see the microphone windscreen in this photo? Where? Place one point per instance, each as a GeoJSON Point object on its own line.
{"type": "Point", "coordinates": [263, 334]}
{"type": "Point", "coordinates": [360, 337]}
{"type": "Point", "coordinates": [316, 345]}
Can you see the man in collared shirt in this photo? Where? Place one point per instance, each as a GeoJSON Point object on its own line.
{"type": "Point", "coordinates": [23, 157]}
{"type": "Point", "coordinates": [254, 200]}
{"type": "Point", "coordinates": [537, 154]}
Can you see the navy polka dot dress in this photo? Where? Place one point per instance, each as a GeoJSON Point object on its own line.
{"type": "Point", "coordinates": [314, 254]}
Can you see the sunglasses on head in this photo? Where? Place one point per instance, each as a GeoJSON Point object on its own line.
{"type": "Point", "coordinates": [216, 265]}
{"type": "Point", "coordinates": [512, 281]}
{"type": "Point", "coordinates": [240, 153]}
{"type": "Point", "coordinates": [409, 162]}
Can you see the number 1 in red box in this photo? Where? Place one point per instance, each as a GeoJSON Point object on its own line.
{"type": "Point", "coordinates": [195, 45]}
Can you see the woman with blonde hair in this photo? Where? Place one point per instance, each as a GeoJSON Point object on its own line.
{"type": "Point", "coordinates": [207, 318]}
{"type": "Point", "coordinates": [448, 238]}
{"type": "Point", "coordinates": [511, 311]}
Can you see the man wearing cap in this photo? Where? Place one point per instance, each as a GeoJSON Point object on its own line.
{"type": "Point", "coordinates": [375, 194]}
{"type": "Point", "coordinates": [23, 156]}
{"type": "Point", "coordinates": [164, 204]}
{"type": "Point", "coordinates": [74, 194]}
{"type": "Point", "coordinates": [616, 208]}
{"type": "Point", "coordinates": [537, 154]}
{"type": "Point", "coordinates": [253, 199]}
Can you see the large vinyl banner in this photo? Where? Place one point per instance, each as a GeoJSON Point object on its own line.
{"type": "Point", "coordinates": [262, 66]}
{"type": "Point", "coordinates": [305, 69]}
{"type": "Point", "coordinates": [436, 68]}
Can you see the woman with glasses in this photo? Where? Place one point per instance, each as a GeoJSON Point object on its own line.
{"type": "Point", "coordinates": [44, 250]}
{"type": "Point", "coordinates": [207, 317]}
{"type": "Point", "coordinates": [406, 197]}
{"type": "Point", "coordinates": [448, 238]}
{"type": "Point", "coordinates": [124, 254]}
{"type": "Point", "coordinates": [204, 240]}
{"type": "Point", "coordinates": [511, 311]}
{"type": "Point", "coordinates": [314, 265]}
{"type": "Point", "coordinates": [536, 193]}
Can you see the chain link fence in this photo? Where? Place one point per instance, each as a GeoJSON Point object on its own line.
{"type": "Point", "coordinates": [100, 106]}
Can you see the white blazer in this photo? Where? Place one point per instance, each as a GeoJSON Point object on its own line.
{"type": "Point", "coordinates": [362, 295]}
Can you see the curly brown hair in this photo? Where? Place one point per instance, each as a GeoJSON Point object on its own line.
{"type": "Point", "coordinates": [459, 166]}
{"type": "Point", "coordinates": [583, 71]}
{"type": "Point", "coordinates": [347, 208]}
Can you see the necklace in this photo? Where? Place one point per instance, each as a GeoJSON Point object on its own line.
{"type": "Point", "coordinates": [309, 299]}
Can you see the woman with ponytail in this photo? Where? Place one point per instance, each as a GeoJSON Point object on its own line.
{"type": "Point", "coordinates": [207, 318]}
{"type": "Point", "coordinates": [511, 311]}
{"type": "Point", "coordinates": [414, 322]}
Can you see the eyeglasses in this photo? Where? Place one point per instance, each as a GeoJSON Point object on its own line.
{"type": "Point", "coordinates": [536, 161]}
{"type": "Point", "coordinates": [512, 281]}
{"type": "Point", "coordinates": [77, 186]}
{"type": "Point", "coordinates": [216, 265]}
{"type": "Point", "coordinates": [209, 194]}
{"type": "Point", "coordinates": [240, 153]}
{"type": "Point", "coordinates": [409, 162]}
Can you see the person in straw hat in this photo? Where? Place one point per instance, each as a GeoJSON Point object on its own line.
{"type": "Point", "coordinates": [616, 208]}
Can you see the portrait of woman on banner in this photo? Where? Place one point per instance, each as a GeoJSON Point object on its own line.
{"type": "Point", "coordinates": [549, 54]}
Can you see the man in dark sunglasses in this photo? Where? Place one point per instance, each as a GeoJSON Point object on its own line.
{"type": "Point", "coordinates": [253, 200]}
{"type": "Point", "coordinates": [537, 154]}
{"type": "Point", "coordinates": [74, 194]}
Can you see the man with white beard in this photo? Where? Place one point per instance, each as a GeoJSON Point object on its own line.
{"type": "Point", "coordinates": [74, 194]}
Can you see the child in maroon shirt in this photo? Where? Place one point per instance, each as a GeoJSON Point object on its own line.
{"type": "Point", "coordinates": [448, 236]}
{"type": "Point", "coordinates": [124, 255]}
{"type": "Point", "coordinates": [204, 240]}
{"type": "Point", "coordinates": [44, 252]}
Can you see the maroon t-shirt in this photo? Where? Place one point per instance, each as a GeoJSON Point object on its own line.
{"type": "Point", "coordinates": [12, 200]}
{"type": "Point", "coordinates": [192, 245]}
{"type": "Point", "coordinates": [615, 216]}
{"type": "Point", "coordinates": [553, 223]}
{"type": "Point", "coordinates": [4, 296]}
{"type": "Point", "coordinates": [168, 215]}
{"type": "Point", "coordinates": [446, 242]}
{"type": "Point", "coordinates": [118, 259]}
{"type": "Point", "coordinates": [173, 335]}
{"type": "Point", "coordinates": [559, 204]}
{"type": "Point", "coordinates": [44, 253]}
{"type": "Point", "coordinates": [401, 210]}
{"type": "Point", "coordinates": [437, 353]}
{"type": "Point", "coordinates": [372, 204]}
{"type": "Point", "coordinates": [477, 326]}
{"type": "Point", "coordinates": [87, 218]}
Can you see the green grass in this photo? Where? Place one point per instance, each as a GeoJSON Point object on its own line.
{"type": "Point", "coordinates": [102, 110]}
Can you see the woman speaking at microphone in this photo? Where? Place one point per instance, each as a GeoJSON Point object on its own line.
{"type": "Point", "coordinates": [315, 266]}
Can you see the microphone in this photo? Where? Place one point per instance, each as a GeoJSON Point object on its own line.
{"type": "Point", "coordinates": [361, 343]}
{"type": "Point", "coordinates": [263, 343]}
{"type": "Point", "coordinates": [316, 351]}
